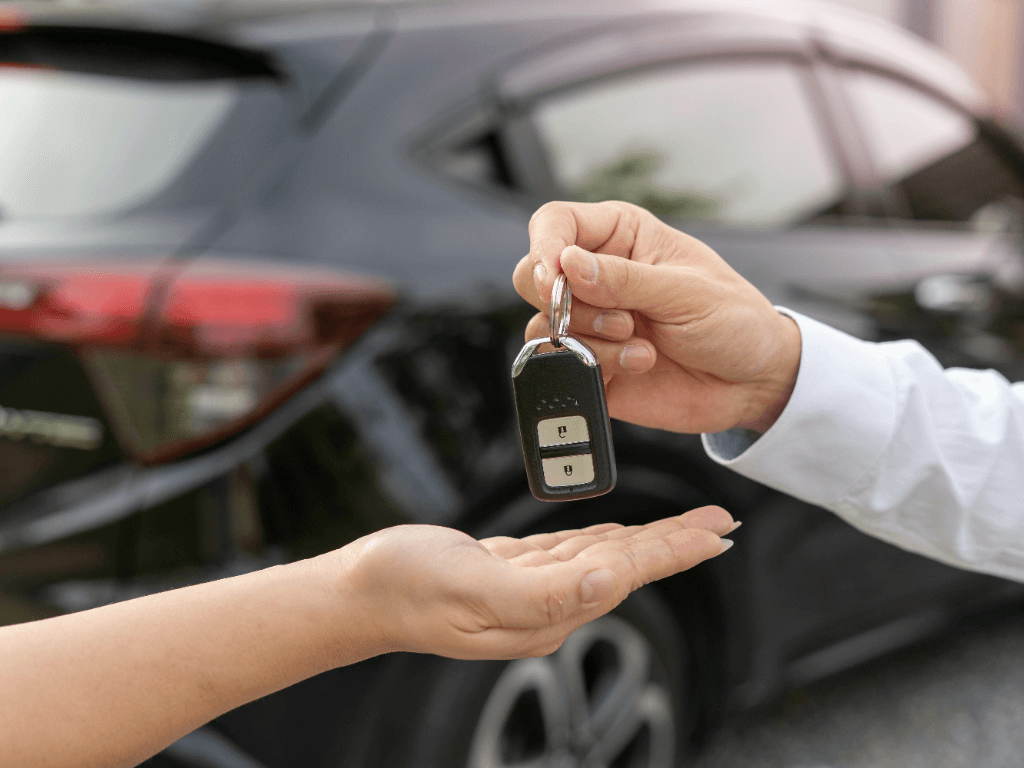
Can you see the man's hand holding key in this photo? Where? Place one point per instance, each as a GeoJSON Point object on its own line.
{"type": "Point", "coordinates": [685, 343]}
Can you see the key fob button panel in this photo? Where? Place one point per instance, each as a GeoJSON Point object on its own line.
{"type": "Point", "coordinates": [563, 430]}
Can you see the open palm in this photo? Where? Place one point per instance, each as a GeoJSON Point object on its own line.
{"type": "Point", "coordinates": [437, 590]}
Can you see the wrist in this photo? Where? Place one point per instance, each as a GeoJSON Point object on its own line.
{"type": "Point", "coordinates": [772, 394]}
{"type": "Point", "coordinates": [351, 625]}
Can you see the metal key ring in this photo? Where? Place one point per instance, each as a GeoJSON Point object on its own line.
{"type": "Point", "coordinates": [560, 311]}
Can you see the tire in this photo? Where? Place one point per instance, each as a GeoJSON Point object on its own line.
{"type": "Point", "coordinates": [610, 697]}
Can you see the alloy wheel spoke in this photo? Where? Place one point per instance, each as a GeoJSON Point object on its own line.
{"type": "Point", "coordinates": [585, 706]}
{"type": "Point", "coordinates": [621, 696]}
{"type": "Point", "coordinates": [537, 678]}
{"type": "Point", "coordinates": [570, 658]}
{"type": "Point", "coordinates": [625, 674]}
{"type": "Point", "coordinates": [610, 742]}
{"type": "Point", "coordinates": [651, 709]}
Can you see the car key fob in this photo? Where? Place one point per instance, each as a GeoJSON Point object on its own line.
{"type": "Point", "coordinates": [563, 414]}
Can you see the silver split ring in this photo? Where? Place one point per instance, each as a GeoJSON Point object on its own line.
{"type": "Point", "coordinates": [561, 310]}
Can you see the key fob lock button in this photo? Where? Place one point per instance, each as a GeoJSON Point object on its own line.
{"type": "Point", "coordinates": [562, 431]}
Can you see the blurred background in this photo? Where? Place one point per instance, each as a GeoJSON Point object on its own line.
{"type": "Point", "coordinates": [985, 37]}
{"type": "Point", "coordinates": [255, 302]}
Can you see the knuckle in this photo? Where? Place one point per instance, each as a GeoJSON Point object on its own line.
{"type": "Point", "coordinates": [636, 572]}
{"type": "Point", "coordinates": [631, 214]}
{"type": "Point", "coordinates": [630, 278]}
{"type": "Point", "coordinates": [548, 206]}
{"type": "Point", "coordinates": [550, 244]}
{"type": "Point", "coordinates": [667, 551]}
{"type": "Point", "coordinates": [555, 208]}
{"type": "Point", "coordinates": [562, 552]}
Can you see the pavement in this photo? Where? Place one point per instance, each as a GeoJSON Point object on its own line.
{"type": "Point", "coordinates": [956, 702]}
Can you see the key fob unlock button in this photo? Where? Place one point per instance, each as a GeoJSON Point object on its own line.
{"type": "Point", "coordinates": [562, 430]}
{"type": "Point", "coordinates": [568, 470]}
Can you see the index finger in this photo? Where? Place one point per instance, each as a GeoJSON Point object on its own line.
{"type": "Point", "coordinates": [608, 227]}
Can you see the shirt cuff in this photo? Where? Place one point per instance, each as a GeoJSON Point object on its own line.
{"type": "Point", "coordinates": [834, 428]}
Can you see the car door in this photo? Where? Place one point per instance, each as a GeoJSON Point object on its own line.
{"type": "Point", "coordinates": [733, 144]}
{"type": "Point", "coordinates": [952, 191]}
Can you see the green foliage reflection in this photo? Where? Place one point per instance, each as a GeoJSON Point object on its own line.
{"type": "Point", "coordinates": [632, 178]}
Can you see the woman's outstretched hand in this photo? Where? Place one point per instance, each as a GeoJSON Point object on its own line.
{"type": "Point", "coordinates": [436, 590]}
{"type": "Point", "coordinates": [114, 685]}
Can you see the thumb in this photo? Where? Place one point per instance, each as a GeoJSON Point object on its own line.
{"type": "Point", "coordinates": [660, 292]}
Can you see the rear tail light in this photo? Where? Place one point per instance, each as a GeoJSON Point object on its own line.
{"type": "Point", "coordinates": [183, 356]}
{"type": "Point", "coordinates": [11, 20]}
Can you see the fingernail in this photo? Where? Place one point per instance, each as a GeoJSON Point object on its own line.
{"type": "Point", "coordinates": [735, 525]}
{"type": "Point", "coordinates": [726, 545]}
{"type": "Point", "coordinates": [611, 324]}
{"type": "Point", "coordinates": [597, 586]}
{"type": "Point", "coordinates": [540, 273]}
{"type": "Point", "coordinates": [635, 357]}
{"type": "Point", "coordinates": [586, 267]}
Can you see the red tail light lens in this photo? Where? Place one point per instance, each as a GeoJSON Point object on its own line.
{"type": "Point", "coordinates": [184, 356]}
{"type": "Point", "coordinates": [11, 20]}
{"type": "Point", "coordinates": [101, 303]}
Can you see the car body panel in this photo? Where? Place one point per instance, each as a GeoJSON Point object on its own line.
{"type": "Point", "coordinates": [415, 422]}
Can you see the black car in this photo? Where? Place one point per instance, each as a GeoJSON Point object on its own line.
{"type": "Point", "coordinates": [256, 301]}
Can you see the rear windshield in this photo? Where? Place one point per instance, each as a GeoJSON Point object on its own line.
{"type": "Point", "coordinates": [74, 144]}
{"type": "Point", "coordinates": [96, 122]}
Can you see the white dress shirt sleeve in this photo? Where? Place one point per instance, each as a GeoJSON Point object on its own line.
{"type": "Point", "coordinates": [928, 459]}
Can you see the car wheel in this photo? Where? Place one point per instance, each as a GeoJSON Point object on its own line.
{"type": "Point", "coordinates": [597, 701]}
{"type": "Point", "coordinates": [610, 697]}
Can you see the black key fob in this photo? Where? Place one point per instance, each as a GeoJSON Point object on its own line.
{"type": "Point", "coordinates": [563, 421]}
{"type": "Point", "coordinates": [563, 414]}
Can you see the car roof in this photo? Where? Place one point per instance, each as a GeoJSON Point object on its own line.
{"type": "Point", "coordinates": [848, 35]}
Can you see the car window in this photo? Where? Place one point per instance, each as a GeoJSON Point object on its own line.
{"type": "Point", "coordinates": [927, 152]}
{"type": "Point", "coordinates": [98, 122]}
{"type": "Point", "coordinates": [85, 145]}
{"type": "Point", "coordinates": [736, 143]}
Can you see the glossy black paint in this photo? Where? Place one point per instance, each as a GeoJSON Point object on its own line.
{"type": "Point", "coordinates": [45, 379]}
{"type": "Point", "coordinates": [350, 164]}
